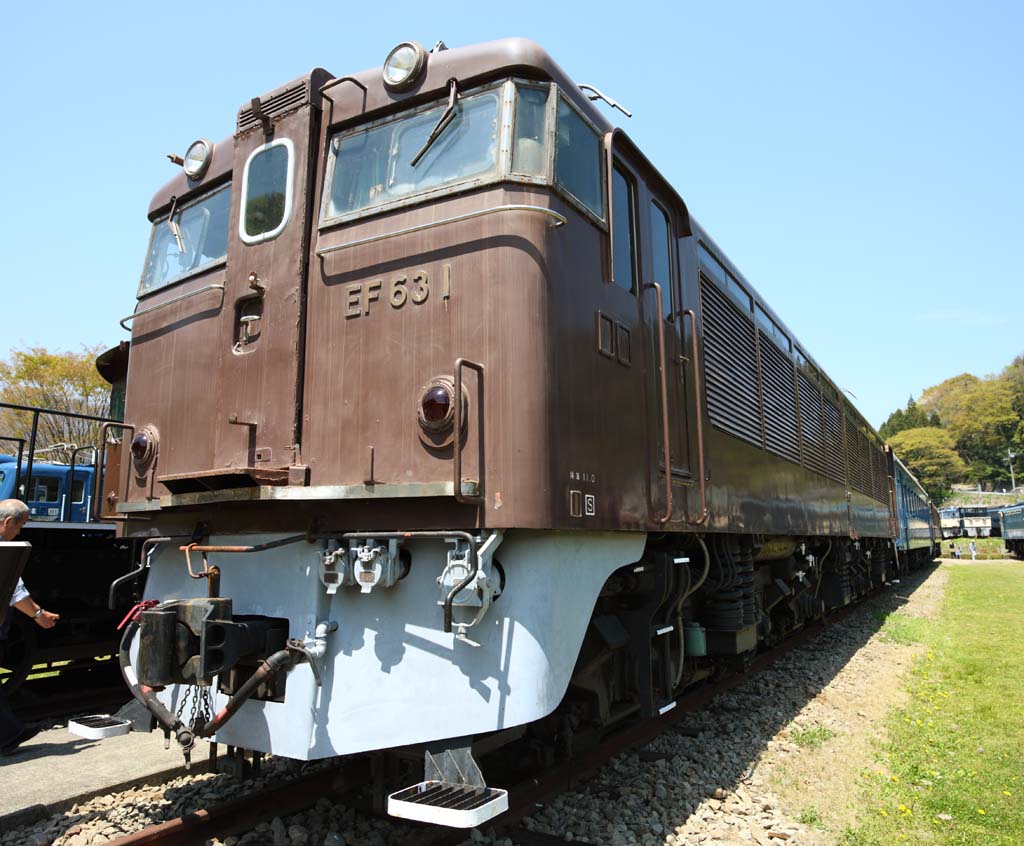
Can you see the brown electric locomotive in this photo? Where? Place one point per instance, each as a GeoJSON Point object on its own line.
{"type": "Point", "coordinates": [444, 414]}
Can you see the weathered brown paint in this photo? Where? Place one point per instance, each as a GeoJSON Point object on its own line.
{"type": "Point", "coordinates": [565, 420]}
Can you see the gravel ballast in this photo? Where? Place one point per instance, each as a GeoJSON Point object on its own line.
{"type": "Point", "coordinates": [708, 781]}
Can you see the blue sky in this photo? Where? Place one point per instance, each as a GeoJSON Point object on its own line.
{"type": "Point", "coordinates": [861, 163]}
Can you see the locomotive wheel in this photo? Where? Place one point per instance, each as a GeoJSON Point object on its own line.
{"type": "Point", "coordinates": [17, 652]}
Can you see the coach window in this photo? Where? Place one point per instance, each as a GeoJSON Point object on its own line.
{"type": "Point", "coordinates": [578, 159]}
{"type": "Point", "coordinates": [661, 247]}
{"type": "Point", "coordinates": [623, 231]}
{"type": "Point", "coordinates": [47, 489]}
{"type": "Point", "coordinates": [266, 192]}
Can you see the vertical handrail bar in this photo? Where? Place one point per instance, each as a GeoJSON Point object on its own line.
{"type": "Point", "coordinates": [31, 454]}
{"type": "Point", "coordinates": [666, 445]}
{"type": "Point", "coordinates": [97, 496]}
{"type": "Point", "coordinates": [699, 411]}
{"type": "Point", "coordinates": [21, 457]}
{"type": "Point", "coordinates": [71, 484]}
{"type": "Point", "coordinates": [457, 443]}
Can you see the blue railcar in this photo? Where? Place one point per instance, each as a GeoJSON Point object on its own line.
{"type": "Point", "coordinates": [1012, 517]}
{"type": "Point", "coordinates": [56, 493]}
{"type": "Point", "coordinates": [916, 536]}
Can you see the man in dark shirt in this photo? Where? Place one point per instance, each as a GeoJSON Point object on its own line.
{"type": "Point", "coordinates": [14, 515]}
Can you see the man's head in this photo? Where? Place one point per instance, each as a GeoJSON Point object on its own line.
{"type": "Point", "coordinates": [13, 515]}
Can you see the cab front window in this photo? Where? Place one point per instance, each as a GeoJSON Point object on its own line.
{"type": "Point", "coordinates": [374, 167]}
{"type": "Point", "coordinates": [203, 228]}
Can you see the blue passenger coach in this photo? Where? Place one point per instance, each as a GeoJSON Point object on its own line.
{"type": "Point", "coordinates": [1013, 528]}
{"type": "Point", "coordinates": [56, 493]}
{"type": "Point", "coordinates": [914, 530]}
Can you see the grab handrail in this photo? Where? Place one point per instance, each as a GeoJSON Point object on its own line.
{"type": "Point", "coordinates": [420, 227]}
{"type": "Point", "coordinates": [178, 299]}
{"type": "Point", "coordinates": [457, 443]}
{"type": "Point", "coordinates": [666, 445]}
{"type": "Point", "coordinates": [700, 422]}
{"type": "Point", "coordinates": [101, 471]}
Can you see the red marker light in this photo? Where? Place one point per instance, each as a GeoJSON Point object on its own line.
{"type": "Point", "coordinates": [436, 404]}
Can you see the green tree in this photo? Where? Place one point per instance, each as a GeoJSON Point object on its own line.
{"type": "Point", "coordinates": [912, 417]}
{"type": "Point", "coordinates": [63, 381]}
{"type": "Point", "coordinates": [931, 455]}
{"type": "Point", "coordinates": [982, 419]}
{"type": "Point", "coordinates": [940, 398]}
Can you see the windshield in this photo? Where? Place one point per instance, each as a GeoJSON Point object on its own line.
{"type": "Point", "coordinates": [374, 166]}
{"type": "Point", "coordinates": [204, 236]}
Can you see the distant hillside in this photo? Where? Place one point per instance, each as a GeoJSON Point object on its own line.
{"type": "Point", "coordinates": [963, 430]}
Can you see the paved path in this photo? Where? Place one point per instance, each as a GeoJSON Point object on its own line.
{"type": "Point", "coordinates": [56, 767]}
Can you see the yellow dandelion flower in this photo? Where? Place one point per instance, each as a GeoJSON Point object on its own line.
{"type": "Point", "coordinates": [919, 722]}
{"type": "Point", "coordinates": [895, 778]}
{"type": "Point", "coordinates": [883, 812]}
{"type": "Point", "coordinates": [981, 811]}
{"type": "Point", "coordinates": [1007, 793]}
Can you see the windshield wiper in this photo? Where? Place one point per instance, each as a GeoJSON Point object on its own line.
{"type": "Point", "coordinates": [173, 225]}
{"type": "Point", "coordinates": [442, 123]}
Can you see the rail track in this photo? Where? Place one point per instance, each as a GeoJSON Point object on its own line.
{"type": "Point", "coordinates": [532, 791]}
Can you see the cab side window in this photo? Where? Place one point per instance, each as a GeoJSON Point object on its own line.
{"type": "Point", "coordinates": [266, 192]}
{"type": "Point", "coordinates": [623, 231]}
{"type": "Point", "coordinates": [661, 249]}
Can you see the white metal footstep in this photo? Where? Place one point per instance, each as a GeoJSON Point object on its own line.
{"type": "Point", "coordinates": [441, 803]}
{"type": "Point", "coordinates": [98, 726]}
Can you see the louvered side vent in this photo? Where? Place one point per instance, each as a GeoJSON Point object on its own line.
{"type": "Point", "coordinates": [858, 459]}
{"type": "Point", "coordinates": [276, 104]}
{"type": "Point", "coordinates": [880, 479]}
{"type": "Point", "coordinates": [834, 452]}
{"type": "Point", "coordinates": [779, 394]}
{"type": "Point", "coordinates": [730, 370]}
{"type": "Point", "coordinates": [811, 426]}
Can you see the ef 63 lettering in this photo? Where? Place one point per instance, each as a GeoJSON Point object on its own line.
{"type": "Point", "coordinates": [398, 291]}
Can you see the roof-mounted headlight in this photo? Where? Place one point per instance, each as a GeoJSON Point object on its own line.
{"type": "Point", "coordinates": [198, 158]}
{"type": "Point", "coordinates": [404, 65]}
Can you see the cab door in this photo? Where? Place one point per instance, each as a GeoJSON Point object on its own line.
{"type": "Point", "coordinates": [663, 263]}
{"type": "Point", "coordinates": [666, 386]}
{"type": "Point", "coordinates": [264, 300]}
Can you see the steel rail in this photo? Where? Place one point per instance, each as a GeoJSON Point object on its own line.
{"type": "Point", "coordinates": [238, 815]}
{"type": "Point", "coordinates": [420, 227]}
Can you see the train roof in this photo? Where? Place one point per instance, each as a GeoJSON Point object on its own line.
{"type": "Point", "coordinates": [363, 94]}
{"type": "Point", "coordinates": [42, 466]}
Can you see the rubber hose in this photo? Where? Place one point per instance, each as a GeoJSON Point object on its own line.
{"type": "Point", "coordinates": [146, 696]}
{"type": "Point", "coordinates": [280, 660]}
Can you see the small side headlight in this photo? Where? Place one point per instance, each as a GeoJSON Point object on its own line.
{"type": "Point", "coordinates": [198, 158]}
{"type": "Point", "coordinates": [404, 65]}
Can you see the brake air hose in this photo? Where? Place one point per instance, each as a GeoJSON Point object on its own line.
{"type": "Point", "coordinates": [146, 696]}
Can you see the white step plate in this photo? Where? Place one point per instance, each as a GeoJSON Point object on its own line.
{"type": "Point", "coordinates": [98, 726]}
{"type": "Point", "coordinates": [455, 805]}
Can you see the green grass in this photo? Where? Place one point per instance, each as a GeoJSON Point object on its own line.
{"type": "Point", "coordinates": [813, 737]}
{"type": "Point", "coordinates": [950, 769]}
{"type": "Point", "coordinates": [810, 816]}
{"type": "Point", "coordinates": [902, 629]}
{"type": "Point", "coordinates": [988, 548]}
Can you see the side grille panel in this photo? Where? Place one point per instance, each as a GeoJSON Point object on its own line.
{"type": "Point", "coordinates": [779, 393]}
{"type": "Point", "coordinates": [730, 367]}
{"type": "Point", "coordinates": [811, 426]}
{"type": "Point", "coordinates": [835, 454]}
